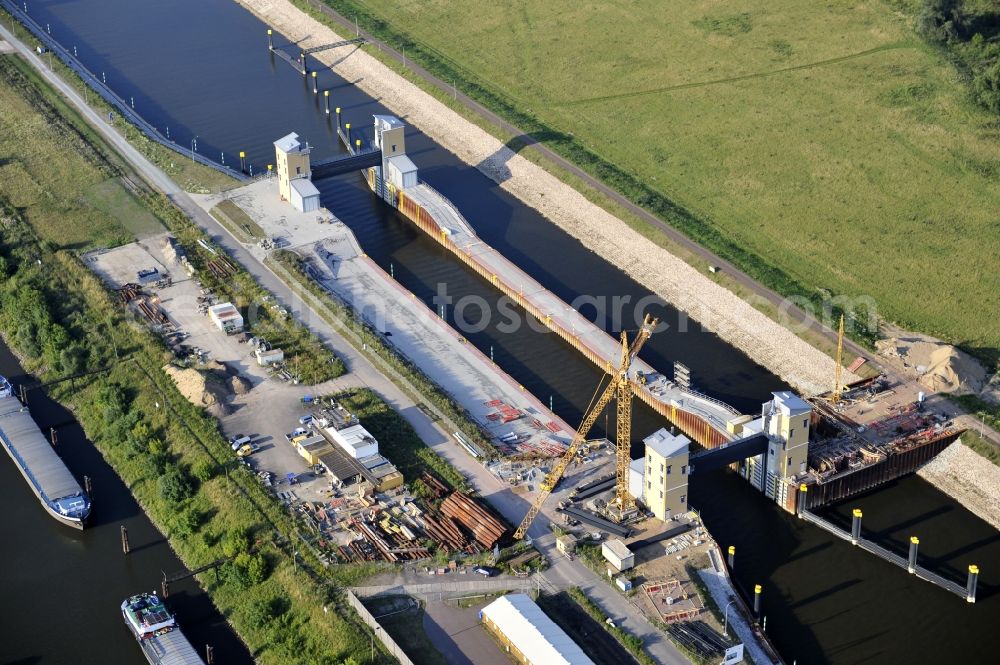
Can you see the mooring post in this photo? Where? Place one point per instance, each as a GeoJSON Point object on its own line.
{"type": "Point", "coordinates": [164, 586]}
{"type": "Point", "coordinates": [801, 496]}
{"type": "Point", "coordinates": [338, 117]}
{"type": "Point", "coordinates": [357, 146]}
{"type": "Point", "coordinates": [855, 526]}
{"type": "Point", "coordinates": [347, 131]}
{"type": "Point", "coordinates": [88, 486]}
{"type": "Point", "coordinates": [732, 557]}
{"type": "Point", "coordinates": [125, 547]}
{"type": "Point", "coordinates": [315, 85]}
{"type": "Point", "coordinates": [270, 39]}
{"type": "Point", "coordinates": [243, 162]}
{"type": "Point", "coordinates": [269, 168]}
{"type": "Point", "coordinates": [757, 590]}
{"type": "Point", "coordinates": [24, 394]}
{"type": "Point", "coordinates": [911, 566]}
{"type": "Point", "coordinates": [326, 101]}
{"type": "Point", "coordinates": [970, 586]}
{"type": "Point", "coordinates": [305, 69]}
{"type": "Point", "coordinates": [209, 655]}
{"type": "Point", "coordinates": [53, 435]}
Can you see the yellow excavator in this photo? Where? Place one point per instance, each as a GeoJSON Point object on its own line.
{"type": "Point", "coordinates": [621, 388]}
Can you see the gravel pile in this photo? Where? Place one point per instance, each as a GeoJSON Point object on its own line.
{"type": "Point", "coordinates": [967, 477]}
{"type": "Point", "coordinates": [716, 308]}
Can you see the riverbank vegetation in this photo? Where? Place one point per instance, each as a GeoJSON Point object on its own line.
{"type": "Point", "coordinates": [62, 321]}
{"type": "Point", "coordinates": [844, 139]}
{"type": "Point", "coordinates": [91, 206]}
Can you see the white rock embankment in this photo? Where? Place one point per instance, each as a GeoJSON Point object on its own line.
{"type": "Point", "coordinates": [714, 307]}
{"type": "Point", "coordinates": [967, 477]}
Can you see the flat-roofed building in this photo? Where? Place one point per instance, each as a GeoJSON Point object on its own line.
{"type": "Point", "coordinates": [226, 317]}
{"type": "Point", "coordinates": [355, 440]}
{"type": "Point", "coordinates": [617, 554]}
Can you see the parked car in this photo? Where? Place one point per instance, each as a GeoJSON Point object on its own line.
{"type": "Point", "coordinates": [485, 572]}
{"type": "Point", "coordinates": [306, 419]}
{"type": "Point", "coordinates": [238, 441]}
{"type": "Point", "coordinates": [247, 449]}
{"type": "Point", "coordinates": [298, 432]}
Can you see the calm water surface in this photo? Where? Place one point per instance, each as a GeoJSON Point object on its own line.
{"type": "Point", "coordinates": [201, 68]}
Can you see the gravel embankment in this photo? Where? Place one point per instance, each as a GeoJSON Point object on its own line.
{"type": "Point", "coordinates": [716, 308]}
{"type": "Point", "coordinates": [967, 477]}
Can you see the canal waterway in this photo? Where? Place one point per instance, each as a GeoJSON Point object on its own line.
{"type": "Point", "coordinates": [201, 69]}
{"type": "Point", "coordinates": [61, 589]}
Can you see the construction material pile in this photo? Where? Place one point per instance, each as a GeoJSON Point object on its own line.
{"type": "Point", "coordinates": [129, 292]}
{"type": "Point", "coordinates": [939, 367]}
{"type": "Point", "coordinates": [485, 528]}
{"type": "Point", "coordinates": [221, 267]}
{"type": "Point", "coordinates": [199, 388]}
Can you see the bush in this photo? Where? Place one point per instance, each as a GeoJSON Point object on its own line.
{"type": "Point", "coordinates": [204, 470]}
{"type": "Point", "coordinates": [174, 485]}
{"type": "Point", "coordinates": [248, 570]}
{"type": "Point", "coordinates": [235, 542]}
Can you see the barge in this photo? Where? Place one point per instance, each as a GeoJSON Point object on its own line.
{"type": "Point", "coordinates": [156, 631]}
{"type": "Point", "coordinates": [58, 491]}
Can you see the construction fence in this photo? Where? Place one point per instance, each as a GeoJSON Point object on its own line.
{"type": "Point", "coordinates": [383, 636]}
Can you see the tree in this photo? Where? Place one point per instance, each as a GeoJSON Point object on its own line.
{"type": "Point", "coordinates": [204, 470]}
{"type": "Point", "coordinates": [941, 20]}
{"type": "Point", "coordinates": [235, 542]}
{"type": "Point", "coordinates": [174, 485]}
{"type": "Point", "coordinates": [73, 359]}
{"type": "Point", "coordinates": [986, 86]}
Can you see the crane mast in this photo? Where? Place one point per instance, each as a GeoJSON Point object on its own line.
{"type": "Point", "coordinates": [837, 387]}
{"type": "Point", "coordinates": [621, 389]}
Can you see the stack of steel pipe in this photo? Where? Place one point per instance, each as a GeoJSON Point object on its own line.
{"type": "Point", "coordinates": [445, 533]}
{"type": "Point", "coordinates": [487, 529]}
{"type": "Point", "coordinates": [129, 292]}
{"type": "Point", "coordinates": [435, 485]}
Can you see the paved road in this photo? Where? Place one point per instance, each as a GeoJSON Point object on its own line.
{"type": "Point", "coordinates": [563, 573]}
{"type": "Point", "coordinates": [460, 637]}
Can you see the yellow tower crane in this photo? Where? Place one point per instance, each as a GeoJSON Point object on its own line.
{"type": "Point", "coordinates": [621, 388]}
{"type": "Point", "coordinates": [837, 387]}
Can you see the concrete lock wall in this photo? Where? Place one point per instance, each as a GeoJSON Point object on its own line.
{"type": "Point", "coordinates": [383, 636]}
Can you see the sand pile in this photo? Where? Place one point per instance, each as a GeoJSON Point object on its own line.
{"type": "Point", "coordinates": [238, 385]}
{"type": "Point", "coordinates": [939, 367]}
{"type": "Point", "coordinates": [201, 388]}
{"type": "Point", "coordinates": [715, 307]}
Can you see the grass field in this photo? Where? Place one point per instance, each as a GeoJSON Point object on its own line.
{"type": "Point", "coordinates": [90, 207]}
{"type": "Point", "coordinates": [237, 221]}
{"type": "Point", "coordinates": [826, 140]}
